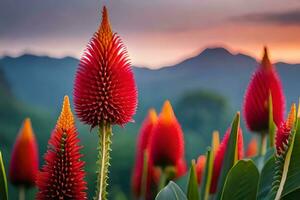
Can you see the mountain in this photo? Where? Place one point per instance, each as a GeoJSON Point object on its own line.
{"type": "Point", "coordinates": [43, 80]}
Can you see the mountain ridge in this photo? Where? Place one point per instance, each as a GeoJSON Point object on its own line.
{"type": "Point", "coordinates": [206, 52]}
{"type": "Point", "coordinates": [45, 80]}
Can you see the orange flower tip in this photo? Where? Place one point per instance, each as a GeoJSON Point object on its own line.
{"type": "Point", "coordinates": [200, 165]}
{"type": "Point", "coordinates": [152, 115]}
{"type": "Point", "coordinates": [292, 116]}
{"type": "Point", "coordinates": [215, 140]}
{"type": "Point", "coordinates": [105, 32]}
{"type": "Point", "coordinates": [167, 113]}
{"type": "Point", "coordinates": [66, 118]}
{"type": "Point", "coordinates": [26, 132]}
{"type": "Point", "coordinates": [266, 63]}
{"type": "Point", "coordinates": [201, 161]}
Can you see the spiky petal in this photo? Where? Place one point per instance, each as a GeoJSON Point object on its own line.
{"type": "Point", "coordinates": [24, 162]}
{"type": "Point", "coordinates": [167, 143]}
{"type": "Point", "coordinates": [142, 148]}
{"type": "Point", "coordinates": [200, 167]}
{"type": "Point", "coordinates": [252, 148]}
{"type": "Point", "coordinates": [264, 82]}
{"type": "Point", "coordinates": [284, 130]}
{"type": "Point", "coordinates": [104, 89]}
{"type": "Point", "coordinates": [62, 176]}
{"type": "Point", "coordinates": [219, 157]}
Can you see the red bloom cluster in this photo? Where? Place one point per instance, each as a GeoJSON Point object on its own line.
{"type": "Point", "coordinates": [24, 162]}
{"type": "Point", "coordinates": [167, 142]}
{"type": "Point", "coordinates": [219, 157]}
{"type": "Point", "coordinates": [200, 167]}
{"type": "Point", "coordinates": [142, 148]}
{"type": "Point", "coordinates": [62, 176]}
{"type": "Point", "coordinates": [284, 130]}
{"type": "Point", "coordinates": [105, 90]}
{"type": "Point", "coordinates": [264, 82]}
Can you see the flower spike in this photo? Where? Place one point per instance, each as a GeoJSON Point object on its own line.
{"type": "Point", "coordinates": [104, 89]}
{"type": "Point", "coordinates": [62, 176]}
{"type": "Point", "coordinates": [24, 161]}
{"type": "Point", "coordinates": [264, 82]}
{"type": "Point", "coordinates": [167, 142]}
{"type": "Point", "coordinates": [105, 93]}
{"type": "Point", "coordinates": [167, 146]}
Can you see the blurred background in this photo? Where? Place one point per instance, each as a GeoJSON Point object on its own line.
{"type": "Point", "coordinates": [198, 54]}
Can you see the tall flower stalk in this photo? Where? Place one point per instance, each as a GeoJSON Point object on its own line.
{"type": "Point", "coordinates": [62, 176]}
{"type": "Point", "coordinates": [24, 161]}
{"type": "Point", "coordinates": [264, 93]}
{"type": "Point", "coordinates": [105, 93]}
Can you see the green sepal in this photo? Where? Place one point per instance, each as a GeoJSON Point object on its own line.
{"type": "Point", "coordinates": [192, 189]}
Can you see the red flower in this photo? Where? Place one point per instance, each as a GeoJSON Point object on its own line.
{"type": "Point", "coordinates": [218, 161]}
{"type": "Point", "coordinates": [200, 167]}
{"type": "Point", "coordinates": [142, 147]}
{"type": "Point", "coordinates": [62, 176]}
{"type": "Point", "coordinates": [105, 90]}
{"type": "Point", "coordinates": [284, 131]}
{"type": "Point", "coordinates": [181, 168]}
{"type": "Point", "coordinates": [252, 148]}
{"type": "Point", "coordinates": [24, 162]}
{"type": "Point", "coordinates": [167, 143]}
{"type": "Point", "coordinates": [265, 81]}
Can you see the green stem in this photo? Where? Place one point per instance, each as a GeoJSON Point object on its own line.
{"type": "Point", "coordinates": [22, 193]}
{"type": "Point", "coordinates": [105, 134]}
{"type": "Point", "coordinates": [144, 176]}
{"type": "Point", "coordinates": [162, 181]}
{"type": "Point", "coordinates": [263, 144]}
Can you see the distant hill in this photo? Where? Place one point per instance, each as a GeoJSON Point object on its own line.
{"type": "Point", "coordinates": [42, 80]}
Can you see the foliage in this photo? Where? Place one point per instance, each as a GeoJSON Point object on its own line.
{"type": "Point", "coordinates": [202, 111]}
{"type": "Point", "coordinates": [243, 180]}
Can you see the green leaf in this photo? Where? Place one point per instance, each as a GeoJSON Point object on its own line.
{"type": "Point", "coordinates": [266, 178]}
{"type": "Point", "coordinates": [206, 180]}
{"type": "Point", "coordinates": [192, 189]}
{"type": "Point", "coordinates": [230, 157]}
{"type": "Point", "coordinates": [272, 125]}
{"type": "Point", "coordinates": [293, 175]}
{"type": "Point", "coordinates": [241, 182]}
{"type": "Point", "coordinates": [171, 192]}
{"type": "Point", "coordinates": [260, 161]}
{"type": "Point", "coordinates": [3, 181]}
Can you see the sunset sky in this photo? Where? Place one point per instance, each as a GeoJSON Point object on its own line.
{"type": "Point", "coordinates": [156, 32]}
